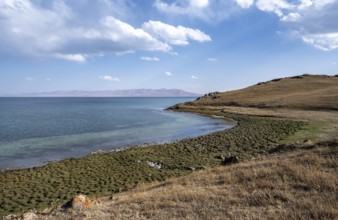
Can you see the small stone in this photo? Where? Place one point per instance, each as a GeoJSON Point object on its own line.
{"type": "Point", "coordinates": [307, 142]}
{"type": "Point", "coordinates": [82, 201]}
{"type": "Point", "coordinates": [155, 165]}
{"type": "Point", "coordinates": [229, 160]}
{"type": "Point", "coordinates": [192, 168]}
{"type": "Point", "coordinates": [29, 216]}
{"type": "Point", "coordinates": [10, 216]}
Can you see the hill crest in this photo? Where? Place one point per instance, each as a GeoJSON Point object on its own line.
{"type": "Point", "coordinates": [310, 92]}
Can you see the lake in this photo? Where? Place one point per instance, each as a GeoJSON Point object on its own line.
{"type": "Point", "coordinates": [34, 131]}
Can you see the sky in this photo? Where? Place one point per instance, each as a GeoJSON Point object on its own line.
{"type": "Point", "coordinates": [196, 45]}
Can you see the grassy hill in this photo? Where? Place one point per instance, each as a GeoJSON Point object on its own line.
{"type": "Point", "coordinates": [310, 92]}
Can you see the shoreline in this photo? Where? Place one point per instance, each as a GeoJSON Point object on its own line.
{"type": "Point", "coordinates": [108, 141]}
{"type": "Point", "coordinates": [104, 174]}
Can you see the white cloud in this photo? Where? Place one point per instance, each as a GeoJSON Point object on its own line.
{"type": "Point", "coordinates": [194, 8]}
{"type": "Point", "coordinates": [245, 3]}
{"type": "Point", "coordinates": [29, 78]}
{"type": "Point", "coordinates": [212, 59]}
{"type": "Point", "coordinates": [170, 9]}
{"type": "Point", "coordinates": [71, 57]}
{"type": "Point", "coordinates": [334, 63]}
{"type": "Point", "coordinates": [61, 30]}
{"type": "Point", "coordinates": [194, 77]}
{"type": "Point", "coordinates": [322, 3]}
{"type": "Point", "coordinates": [304, 4]}
{"type": "Point", "coordinates": [291, 17]}
{"type": "Point", "coordinates": [199, 3]}
{"type": "Point", "coordinates": [174, 35]}
{"type": "Point", "coordinates": [324, 42]}
{"type": "Point", "coordinates": [48, 79]}
{"type": "Point", "coordinates": [206, 10]}
{"type": "Point", "coordinates": [109, 78]}
{"type": "Point", "coordinates": [124, 35]}
{"type": "Point", "coordinates": [167, 73]}
{"type": "Point", "coordinates": [313, 21]}
{"type": "Point", "coordinates": [150, 58]}
{"type": "Point", "coordinates": [276, 6]}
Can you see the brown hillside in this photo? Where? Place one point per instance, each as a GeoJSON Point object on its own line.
{"type": "Point", "coordinates": [299, 92]}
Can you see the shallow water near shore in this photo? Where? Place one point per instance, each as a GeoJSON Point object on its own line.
{"type": "Point", "coordinates": [34, 131]}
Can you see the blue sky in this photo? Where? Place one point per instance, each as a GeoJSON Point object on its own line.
{"type": "Point", "coordinates": [195, 45]}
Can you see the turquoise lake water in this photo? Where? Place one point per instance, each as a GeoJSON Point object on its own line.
{"type": "Point", "coordinates": [34, 131]}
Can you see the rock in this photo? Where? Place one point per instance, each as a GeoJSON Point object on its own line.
{"type": "Point", "coordinates": [261, 83]}
{"type": "Point", "coordinates": [81, 201]}
{"type": "Point", "coordinates": [299, 77]}
{"type": "Point", "coordinates": [213, 95]}
{"type": "Point", "coordinates": [308, 142]}
{"type": "Point", "coordinates": [29, 216]}
{"type": "Point", "coordinates": [191, 168]}
{"type": "Point", "coordinates": [155, 165]}
{"type": "Point", "coordinates": [230, 159]}
{"type": "Point", "coordinates": [10, 216]}
{"type": "Point", "coordinates": [276, 80]}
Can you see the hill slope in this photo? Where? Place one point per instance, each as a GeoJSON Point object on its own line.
{"type": "Point", "coordinates": [310, 92]}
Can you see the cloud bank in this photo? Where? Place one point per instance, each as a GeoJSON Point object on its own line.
{"type": "Point", "coordinates": [60, 30]}
{"type": "Point", "coordinates": [65, 30]}
{"type": "Point", "coordinates": [312, 21]}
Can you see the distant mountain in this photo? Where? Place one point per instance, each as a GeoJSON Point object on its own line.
{"type": "Point", "coordinates": [115, 93]}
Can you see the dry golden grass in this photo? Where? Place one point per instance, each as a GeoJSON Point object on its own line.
{"type": "Point", "coordinates": [302, 184]}
{"type": "Point", "coordinates": [300, 92]}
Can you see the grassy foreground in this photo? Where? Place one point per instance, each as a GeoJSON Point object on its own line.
{"type": "Point", "coordinates": [106, 174]}
{"type": "Point", "coordinates": [297, 184]}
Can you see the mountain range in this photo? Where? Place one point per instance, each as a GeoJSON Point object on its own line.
{"type": "Point", "coordinates": [112, 93]}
